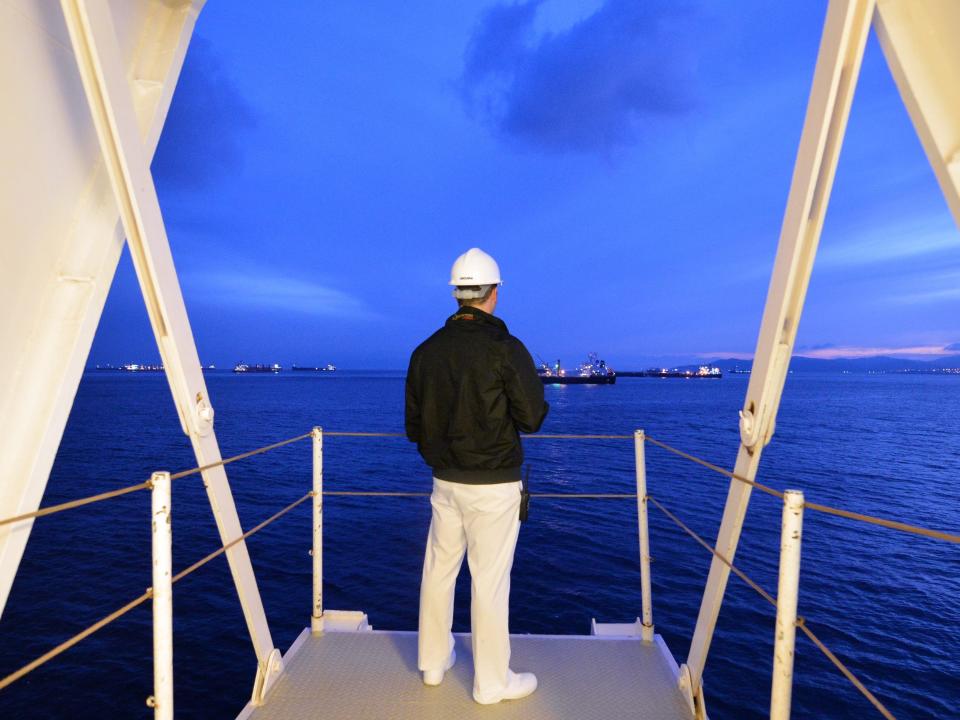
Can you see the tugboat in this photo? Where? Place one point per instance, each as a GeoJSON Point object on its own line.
{"type": "Point", "coordinates": [244, 368]}
{"type": "Point", "coordinates": [593, 372]}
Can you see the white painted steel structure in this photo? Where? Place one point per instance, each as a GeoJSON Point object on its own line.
{"type": "Point", "coordinates": [61, 236]}
{"type": "Point", "coordinates": [162, 588]}
{"type": "Point", "coordinates": [919, 41]}
{"type": "Point", "coordinates": [90, 82]}
{"type": "Point", "coordinates": [643, 529]}
{"type": "Point", "coordinates": [316, 616]}
{"type": "Point", "coordinates": [788, 592]}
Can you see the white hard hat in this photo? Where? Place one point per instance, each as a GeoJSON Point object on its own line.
{"type": "Point", "coordinates": [474, 268]}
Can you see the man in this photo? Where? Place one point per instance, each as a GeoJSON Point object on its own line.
{"type": "Point", "coordinates": [471, 389]}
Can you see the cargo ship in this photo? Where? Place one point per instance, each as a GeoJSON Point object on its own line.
{"type": "Point", "coordinates": [592, 372]}
{"type": "Point", "coordinates": [244, 368]}
{"type": "Point", "coordinates": [329, 367]}
{"type": "Point", "coordinates": [704, 371]}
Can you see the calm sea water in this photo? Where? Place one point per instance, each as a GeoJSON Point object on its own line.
{"type": "Point", "coordinates": [886, 603]}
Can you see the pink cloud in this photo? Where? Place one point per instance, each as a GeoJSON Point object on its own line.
{"type": "Point", "coordinates": [853, 351]}
{"type": "Point", "coordinates": [844, 351]}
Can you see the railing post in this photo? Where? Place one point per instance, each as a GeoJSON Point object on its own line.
{"type": "Point", "coordinates": [316, 620]}
{"type": "Point", "coordinates": [788, 588]}
{"type": "Point", "coordinates": [162, 699]}
{"type": "Point", "coordinates": [639, 442]}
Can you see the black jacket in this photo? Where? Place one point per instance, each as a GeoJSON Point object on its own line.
{"type": "Point", "coordinates": [471, 389]}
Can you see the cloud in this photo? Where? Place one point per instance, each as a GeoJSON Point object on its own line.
{"type": "Point", "coordinates": [262, 291]}
{"type": "Point", "coordinates": [829, 351]}
{"type": "Point", "coordinates": [891, 242]}
{"type": "Point", "coordinates": [833, 352]}
{"type": "Point", "coordinates": [818, 346]}
{"type": "Point", "coordinates": [202, 137]}
{"type": "Point", "coordinates": [586, 89]}
{"type": "Point", "coordinates": [927, 288]}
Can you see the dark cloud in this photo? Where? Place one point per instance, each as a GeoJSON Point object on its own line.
{"type": "Point", "coordinates": [201, 140]}
{"type": "Point", "coordinates": [953, 347]}
{"type": "Point", "coordinates": [585, 89]}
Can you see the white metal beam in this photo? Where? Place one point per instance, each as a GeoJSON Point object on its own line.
{"type": "Point", "coordinates": [838, 66]}
{"type": "Point", "coordinates": [62, 237]}
{"type": "Point", "coordinates": [919, 40]}
{"type": "Point", "coordinates": [95, 46]}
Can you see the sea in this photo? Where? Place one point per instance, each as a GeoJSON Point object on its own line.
{"type": "Point", "coordinates": [885, 602]}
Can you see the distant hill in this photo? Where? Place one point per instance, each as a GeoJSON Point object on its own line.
{"type": "Point", "coordinates": [880, 363]}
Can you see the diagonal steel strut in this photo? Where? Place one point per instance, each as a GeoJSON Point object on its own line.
{"type": "Point", "coordinates": [838, 66]}
{"type": "Point", "coordinates": [108, 95]}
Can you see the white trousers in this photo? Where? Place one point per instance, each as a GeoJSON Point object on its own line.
{"type": "Point", "coordinates": [483, 521]}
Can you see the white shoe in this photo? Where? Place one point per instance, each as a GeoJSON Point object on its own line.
{"type": "Point", "coordinates": [435, 677]}
{"type": "Point", "coordinates": [519, 685]}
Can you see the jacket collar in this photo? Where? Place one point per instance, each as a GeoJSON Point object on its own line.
{"type": "Point", "coordinates": [469, 313]}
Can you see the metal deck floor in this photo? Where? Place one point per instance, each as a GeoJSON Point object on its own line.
{"type": "Point", "coordinates": [373, 675]}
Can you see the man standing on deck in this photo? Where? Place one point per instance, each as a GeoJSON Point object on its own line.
{"type": "Point", "coordinates": [471, 389]}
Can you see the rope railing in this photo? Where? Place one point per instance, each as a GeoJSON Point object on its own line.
{"type": "Point", "coordinates": [140, 600]}
{"type": "Point", "coordinates": [146, 485]}
{"type": "Point", "coordinates": [538, 436]}
{"type": "Point", "coordinates": [80, 502]}
{"type": "Point", "coordinates": [241, 456]}
{"type": "Point", "coordinates": [800, 623]}
{"type": "Point", "coordinates": [826, 509]}
{"type": "Point", "coordinates": [716, 468]}
{"type": "Point", "coordinates": [558, 496]}
{"type": "Point", "coordinates": [148, 594]}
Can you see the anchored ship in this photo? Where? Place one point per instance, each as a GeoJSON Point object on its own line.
{"type": "Point", "coordinates": [244, 368]}
{"type": "Point", "coordinates": [592, 372]}
{"type": "Point", "coordinates": [329, 367]}
{"type": "Point", "coordinates": [704, 371]}
{"type": "Point", "coordinates": [140, 367]}
{"type": "Point", "coordinates": [101, 76]}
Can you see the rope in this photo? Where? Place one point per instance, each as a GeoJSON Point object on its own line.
{"type": "Point", "coordinates": [800, 622]}
{"type": "Point", "coordinates": [67, 644]}
{"type": "Point", "coordinates": [871, 519]}
{"type": "Point", "coordinates": [544, 436]}
{"type": "Point", "coordinates": [883, 522]}
{"type": "Point", "coordinates": [147, 485]}
{"type": "Point", "coordinates": [51, 509]}
{"type": "Point", "coordinates": [241, 456]}
{"type": "Point", "coordinates": [715, 468]}
{"type": "Point", "coordinates": [216, 553]}
{"type": "Point", "coordinates": [540, 436]}
{"type": "Point", "coordinates": [376, 493]}
{"type": "Point", "coordinates": [739, 573]}
{"type": "Point", "coordinates": [361, 434]}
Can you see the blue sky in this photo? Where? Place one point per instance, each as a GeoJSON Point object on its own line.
{"type": "Point", "coordinates": [626, 163]}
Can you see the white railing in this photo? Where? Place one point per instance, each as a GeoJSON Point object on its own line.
{"type": "Point", "coordinates": [161, 593]}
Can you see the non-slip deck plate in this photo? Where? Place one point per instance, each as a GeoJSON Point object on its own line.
{"type": "Point", "coordinates": [373, 675]}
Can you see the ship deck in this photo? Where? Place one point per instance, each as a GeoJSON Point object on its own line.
{"type": "Point", "coordinates": [373, 674]}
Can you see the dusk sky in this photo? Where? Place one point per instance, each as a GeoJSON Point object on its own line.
{"type": "Point", "coordinates": [626, 163]}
